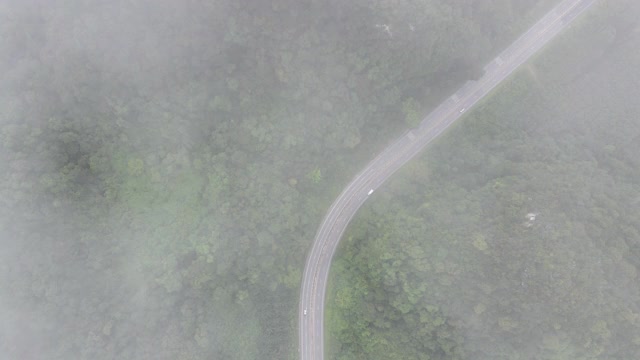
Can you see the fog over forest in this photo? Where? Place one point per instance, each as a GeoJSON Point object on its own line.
{"type": "Point", "coordinates": [165, 164]}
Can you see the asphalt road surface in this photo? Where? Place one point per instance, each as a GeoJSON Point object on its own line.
{"type": "Point", "coordinates": [316, 272]}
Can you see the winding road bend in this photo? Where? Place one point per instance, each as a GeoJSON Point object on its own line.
{"type": "Point", "coordinates": [316, 272]}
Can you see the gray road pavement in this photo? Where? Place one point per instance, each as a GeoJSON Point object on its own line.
{"type": "Point", "coordinates": [314, 281]}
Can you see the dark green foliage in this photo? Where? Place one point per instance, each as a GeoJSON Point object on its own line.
{"type": "Point", "coordinates": [164, 166]}
{"type": "Point", "coordinates": [451, 246]}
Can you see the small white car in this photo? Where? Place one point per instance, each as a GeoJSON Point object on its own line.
{"type": "Point", "coordinates": [462, 110]}
{"type": "Point", "coordinates": [304, 312]}
{"type": "Point", "coordinates": [370, 192]}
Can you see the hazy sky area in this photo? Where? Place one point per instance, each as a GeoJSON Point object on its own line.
{"type": "Point", "coordinates": [164, 167]}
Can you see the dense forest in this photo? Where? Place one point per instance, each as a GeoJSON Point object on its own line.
{"type": "Point", "coordinates": [516, 235]}
{"type": "Point", "coordinates": [165, 165]}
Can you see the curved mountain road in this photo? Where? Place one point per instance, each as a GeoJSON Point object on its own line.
{"type": "Point", "coordinates": [316, 272]}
